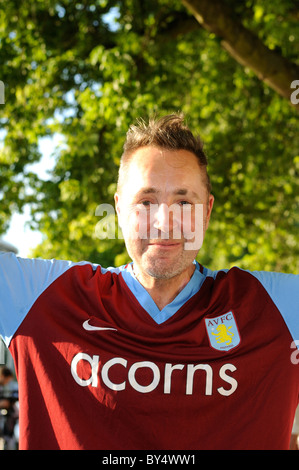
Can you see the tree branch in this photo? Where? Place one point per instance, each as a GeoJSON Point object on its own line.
{"type": "Point", "coordinates": [244, 46]}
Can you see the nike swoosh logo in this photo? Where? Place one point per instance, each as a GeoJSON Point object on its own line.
{"type": "Point", "coordinates": [89, 327]}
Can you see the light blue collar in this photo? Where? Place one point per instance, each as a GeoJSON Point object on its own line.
{"type": "Point", "coordinates": [146, 301]}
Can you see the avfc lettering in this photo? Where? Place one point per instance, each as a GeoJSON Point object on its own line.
{"type": "Point", "coordinates": [131, 376]}
{"type": "Point", "coordinates": [223, 332]}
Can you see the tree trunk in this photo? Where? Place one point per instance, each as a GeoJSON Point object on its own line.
{"type": "Point", "coordinates": [244, 46]}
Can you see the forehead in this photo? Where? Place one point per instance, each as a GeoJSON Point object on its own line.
{"type": "Point", "coordinates": [151, 166]}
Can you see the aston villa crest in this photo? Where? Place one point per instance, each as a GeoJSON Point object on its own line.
{"type": "Point", "coordinates": [223, 332]}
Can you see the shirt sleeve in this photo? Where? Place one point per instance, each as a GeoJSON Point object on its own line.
{"type": "Point", "coordinates": [284, 292]}
{"type": "Point", "coordinates": [21, 282]}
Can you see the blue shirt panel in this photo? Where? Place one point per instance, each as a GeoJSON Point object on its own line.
{"type": "Point", "coordinates": [146, 301]}
{"type": "Point", "coordinates": [22, 281]}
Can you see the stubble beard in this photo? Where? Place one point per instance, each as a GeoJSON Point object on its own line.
{"type": "Point", "coordinates": [162, 268]}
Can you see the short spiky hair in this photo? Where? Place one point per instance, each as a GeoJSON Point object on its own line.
{"type": "Point", "coordinates": [168, 132]}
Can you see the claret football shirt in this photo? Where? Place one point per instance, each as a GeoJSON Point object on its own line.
{"type": "Point", "coordinates": [99, 366]}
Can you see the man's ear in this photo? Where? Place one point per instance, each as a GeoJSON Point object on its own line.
{"type": "Point", "coordinates": [210, 207]}
{"type": "Point", "coordinates": [117, 207]}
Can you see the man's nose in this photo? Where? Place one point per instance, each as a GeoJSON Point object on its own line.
{"type": "Point", "coordinates": [164, 218]}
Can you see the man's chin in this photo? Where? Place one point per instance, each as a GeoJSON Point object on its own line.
{"type": "Point", "coordinates": [163, 269]}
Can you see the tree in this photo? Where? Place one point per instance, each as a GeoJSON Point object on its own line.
{"type": "Point", "coordinates": [86, 70]}
{"type": "Point", "coordinates": [245, 45]}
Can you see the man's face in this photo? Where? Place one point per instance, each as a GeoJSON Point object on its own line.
{"type": "Point", "coordinates": [5, 380]}
{"type": "Point", "coordinates": [164, 210]}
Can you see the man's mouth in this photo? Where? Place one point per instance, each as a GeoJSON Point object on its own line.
{"type": "Point", "coordinates": [165, 243]}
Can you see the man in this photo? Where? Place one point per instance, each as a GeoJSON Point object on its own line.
{"type": "Point", "coordinates": [9, 412]}
{"type": "Point", "coordinates": [162, 353]}
{"type": "Point", "coordinates": [6, 376]}
{"type": "Point", "coordinates": [294, 444]}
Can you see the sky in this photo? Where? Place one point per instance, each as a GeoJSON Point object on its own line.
{"type": "Point", "coordinates": [19, 234]}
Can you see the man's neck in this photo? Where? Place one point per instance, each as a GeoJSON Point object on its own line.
{"type": "Point", "coordinates": [164, 291]}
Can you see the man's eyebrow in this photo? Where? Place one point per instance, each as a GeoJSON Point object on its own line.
{"type": "Point", "coordinates": [149, 190]}
{"type": "Point", "coordinates": [181, 191]}
{"type": "Point", "coordinates": [184, 192]}
{"type": "Point", "coordinates": [177, 191]}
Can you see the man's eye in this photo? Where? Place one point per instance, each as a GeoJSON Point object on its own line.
{"type": "Point", "coordinates": [184, 203]}
{"type": "Point", "coordinates": [146, 203]}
